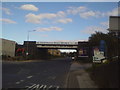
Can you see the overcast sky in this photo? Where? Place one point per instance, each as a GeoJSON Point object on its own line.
{"type": "Point", "coordinates": [52, 21]}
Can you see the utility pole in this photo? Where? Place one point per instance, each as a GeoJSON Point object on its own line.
{"type": "Point", "coordinates": [27, 53]}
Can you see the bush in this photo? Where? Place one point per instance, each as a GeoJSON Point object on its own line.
{"type": "Point", "coordinates": [106, 75]}
{"type": "Point", "coordinates": [5, 57]}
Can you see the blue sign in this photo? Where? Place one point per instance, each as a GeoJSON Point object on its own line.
{"type": "Point", "coordinates": [102, 45]}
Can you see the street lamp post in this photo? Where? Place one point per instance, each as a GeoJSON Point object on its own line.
{"type": "Point", "coordinates": [28, 41]}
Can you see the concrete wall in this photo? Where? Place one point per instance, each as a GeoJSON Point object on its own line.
{"type": "Point", "coordinates": [0, 47]}
{"type": "Point", "coordinates": [7, 47]}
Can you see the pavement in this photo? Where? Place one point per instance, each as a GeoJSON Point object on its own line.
{"type": "Point", "coordinates": [78, 77]}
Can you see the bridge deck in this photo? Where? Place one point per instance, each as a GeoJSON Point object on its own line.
{"type": "Point", "coordinates": [57, 43]}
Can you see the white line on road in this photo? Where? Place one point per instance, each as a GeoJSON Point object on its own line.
{"type": "Point", "coordinates": [17, 82]}
{"type": "Point", "coordinates": [41, 86]}
{"type": "Point", "coordinates": [29, 76]}
{"type": "Point", "coordinates": [44, 87]}
{"type": "Point", "coordinates": [21, 80]}
{"type": "Point", "coordinates": [32, 86]}
{"type": "Point", "coordinates": [37, 86]}
{"type": "Point", "coordinates": [50, 86]}
{"type": "Point", "coordinates": [57, 88]}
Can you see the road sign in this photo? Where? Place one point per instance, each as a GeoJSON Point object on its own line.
{"type": "Point", "coordinates": [26, 53]}
{"type": "Point", "coordinates": [102, 45]}
{"type": "Point", "coordinates": [98, 55]}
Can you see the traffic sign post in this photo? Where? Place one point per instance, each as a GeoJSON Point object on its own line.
{"type": "Point", "coordinates": [103, 46]}
{"type": "Point", "coordinates": [99, 52]}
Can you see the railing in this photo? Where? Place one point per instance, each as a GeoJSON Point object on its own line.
{"type": "Point", "coordinates": [40, 46]}
{"type": "Point", "coordinates": [61, 43]}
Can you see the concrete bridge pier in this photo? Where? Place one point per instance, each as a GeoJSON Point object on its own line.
{"type": "Point", "coordinates": [42, 53]}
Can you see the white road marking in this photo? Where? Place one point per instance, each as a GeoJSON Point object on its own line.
{"type": "Point", "coordinates": [17, 82]}
{"type": "Point", "coordinates": [29, 76]}
{"type": "Point", "coordinates": [50, 86]}
{"type": "Point", "coordinates": [41, 86]}
{"type": "Point", "coordinates": [57, 87]}
{"type": "Point", "coordinates": [44, 87]}
{"type": "Point", "coordinates": [21, 80]}
{"type": "Point", "coordinates": [37, 86]}
{"type": "Point", "coordinates": [32, 86]}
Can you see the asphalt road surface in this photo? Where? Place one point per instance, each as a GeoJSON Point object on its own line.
{"type": "Point", "coordinates": [51, 73]}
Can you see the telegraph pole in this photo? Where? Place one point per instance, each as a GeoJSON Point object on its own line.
{"type": "Point", "coordinates": [27, 53]}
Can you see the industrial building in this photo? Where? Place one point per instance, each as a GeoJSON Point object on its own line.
{"type": "Point", "coordinates": [7, 47]}
{"type": "Point", "coordinates": [114, 27]}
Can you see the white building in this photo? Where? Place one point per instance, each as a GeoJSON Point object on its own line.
{"type": "Point", "coordinates": [114, 25]}
{"type": "Point", "coordinates": [7, 47]}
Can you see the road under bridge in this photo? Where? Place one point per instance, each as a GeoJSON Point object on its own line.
{"type": "Point", "coordinates": [35, 48]}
